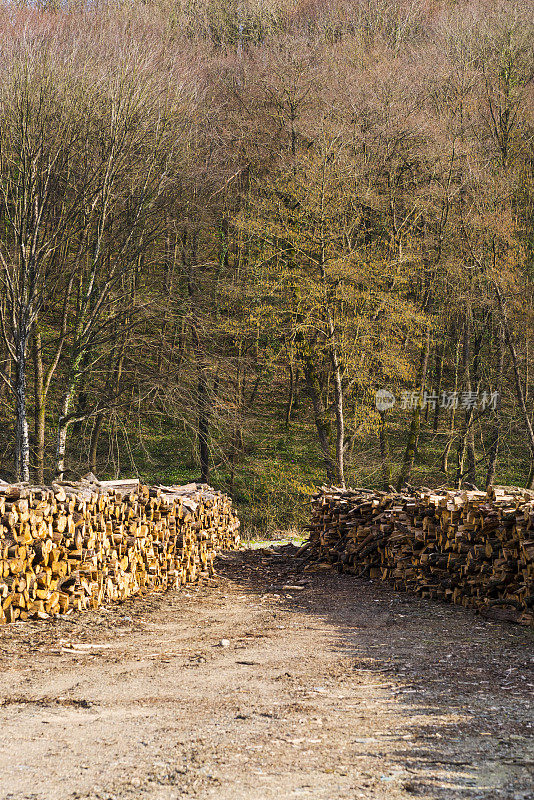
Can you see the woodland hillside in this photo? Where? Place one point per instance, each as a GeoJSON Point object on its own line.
{"type": "Point", "coordinates": [226, 225]}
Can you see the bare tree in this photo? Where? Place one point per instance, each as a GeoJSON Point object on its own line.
{"type": "Point", "coordinates": [40, 198]}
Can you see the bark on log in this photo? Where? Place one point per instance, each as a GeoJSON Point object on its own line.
{"type": "Point", "coordinates": [73, 546]}
{"type": "Point", "coordinates": [472, 548]}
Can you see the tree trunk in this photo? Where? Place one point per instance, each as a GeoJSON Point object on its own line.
{"type": "Point", "coordinates": [65, 418]}
{"type": "Point", "coordinates": [322, 422]}
{"type": "Point", "coordinates": [415, 425]}
{"type": "Point", "coordinates": [43, 379]}
{"type": "Point", "coordinates": [22, 440]}
{"type": "Point", "coordinates": [114, 373]}
{"type": "Point", "coordinates": [332, 346]}
{"type": "Point", "coordinates": [338, 402]}
{"type": "Point", "coordinates": [496, 433]}
{"type": "Point", "coordinates": [492, 457]}
{"type": "Point", "coordinates": [466, 443]}
{"type": "Point", "coordinates": [62, 430]}
{"type": "Point", "coordinates": [93, 446]}
{"type": "Point", "coordinates": [439, 377]}
{"type": "Point", "coordinates": [291, 394]}
{"type": "Point", "coordinates": [83, 397]}
{"type": "Point", "coordinates": [40, 407]}
{"type": "Point", "coordinates": [8, 373]}
{"type": "Point", "coordinates": [203, 424]}
{"type": "Point", "coordinates": [470, 437]}
{"type": "Point", "coordinates": [203, 394]}
{"type": "Point", "coordinates": [384, 452]}
{"type": "Point", "coordinates": [517, 376]}
{"type": "Point", "coordinates": [448, 446]}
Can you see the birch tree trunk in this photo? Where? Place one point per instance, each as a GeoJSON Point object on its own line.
{"type": "Point", "coordinates": [65, 416]}
{"type": "Point", "coordinates": [40, 407]}
{"type": "Point", "coordinates": [22, 441]}
{"type": "Point", "coordinates": [338, 401]}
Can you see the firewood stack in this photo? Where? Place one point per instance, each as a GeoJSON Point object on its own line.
{"type": "Point", "coordinates": [472, 548]}
{"type": "Point", "coordinates": [76, 546]}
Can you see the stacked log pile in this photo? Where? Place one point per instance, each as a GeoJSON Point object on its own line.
{"type": "Point", "coordinates": [469, 547]}
{"type": "Point", "coordinates": [77, 546]}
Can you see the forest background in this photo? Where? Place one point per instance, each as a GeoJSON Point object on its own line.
{"type": "Point", "coordinates": [227, 225]}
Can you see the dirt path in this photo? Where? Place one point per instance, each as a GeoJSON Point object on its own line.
{"type": "Point", "coordinates": [340, 689]}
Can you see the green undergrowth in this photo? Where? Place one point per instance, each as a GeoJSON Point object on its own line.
{"type": "Point", "coordinates": [255, 544]}
{"type": "Point", "coordinates": [279, 468]}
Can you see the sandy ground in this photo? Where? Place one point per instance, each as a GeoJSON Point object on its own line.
{"type": "Point", "coordinates": [336, 689]}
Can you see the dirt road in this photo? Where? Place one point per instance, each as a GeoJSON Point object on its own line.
{"type": "Point", "coordinates": [336, 689]}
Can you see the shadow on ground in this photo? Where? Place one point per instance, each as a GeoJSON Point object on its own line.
{"type": "Point", "coordinates": [459, 688]}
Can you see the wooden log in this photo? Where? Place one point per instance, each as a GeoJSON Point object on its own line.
{"type": "Point", "coordinates": [74, 546]}
{"type": "Point", "coordinates": [468, 547]}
